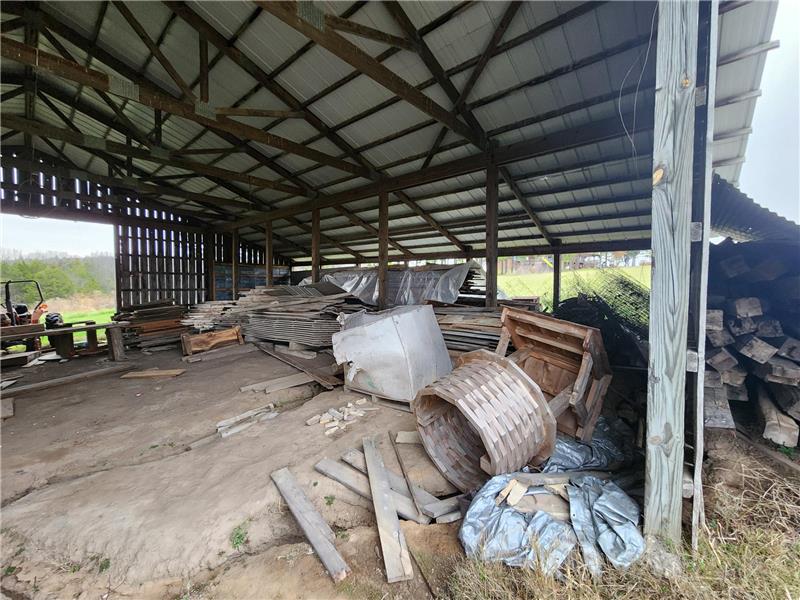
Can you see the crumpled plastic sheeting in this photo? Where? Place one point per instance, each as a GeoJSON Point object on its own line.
{"type": "Point", "coordinates": [611, 449]}
{"type": "Point", "coordinates": [502, 534]}
{"type": "Point", "coordinates": [405, 287]}
{"type": "Point", "coordinates": [605, 516]}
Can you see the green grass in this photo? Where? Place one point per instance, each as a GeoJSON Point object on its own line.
{"type": "Point", "coordinates": [541, 284]}
{"type": "Point", "coordinates": [98, 316]}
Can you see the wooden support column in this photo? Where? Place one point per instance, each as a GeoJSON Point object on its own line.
{"type": "Point", "coordinates": [676, 66]}
{"type": "Point", "coordinates": [701, 215]}
{"type": "Point", "coordinates": [556, 279]}
{"type": "Point", "coordinates": [208, 254]}
{"type": "Point", "coordinates": [234, 264]}
{"type": "Point", "coordinates": [315, 245]}
{"type": "Point", "coordinates": [203, 69]}
{"type": "Point", "coordinates": [491, 236]}
{"type": "Point", "coordinates": [268, 256]}
{"type": "Point", "coordinates": [383, 247]}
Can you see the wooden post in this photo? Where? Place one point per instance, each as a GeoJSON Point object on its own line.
{"type": "Point", "coordinates": [701, 213]}
{"type": "Point", "coordinates": [315, 245]}
{"type": "Point", "coordinates": [118, 267]}
{"type": "Point", "coordinates": [268, 257]}
{"type": "Point", "coordinates": [491, 236]}
{"type": "Point", "coordinates": [676, 66]}
{"type": "Point", "coordinates": [383, 247]}
{"type": "Point", "coordinates": [208, 254]}
{"type": "Point", "coordinates": [203, 69]}
{"type": "Point", "coordinates": [234, 264]}
{"type": "Point", "coordinates": [556, 279]}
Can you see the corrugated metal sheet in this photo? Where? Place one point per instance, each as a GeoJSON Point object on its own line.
{"type": "Point", "coordinates": [735, 214]}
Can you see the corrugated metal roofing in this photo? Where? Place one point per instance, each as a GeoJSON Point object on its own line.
{"type": "Point", "coordinates": [597, 192]}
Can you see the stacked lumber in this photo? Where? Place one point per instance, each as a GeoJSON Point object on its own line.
{"type": "Point", "coordinates": [752, 336]}
{"type": "Point", "coordinates": [152, 324]}
{"type": "Point", "coordinates": [468, 328]}
{"type": "Point", "coordinates": [300, 314]}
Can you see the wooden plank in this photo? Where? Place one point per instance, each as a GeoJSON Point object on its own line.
{"type": "Point", "coordinates": [409, 484]}
{"type": "Point", "coordinates": [219, 353]}
{"type": "Point", "coordinates": [316, 530]}
{"type": "Point", "coordinates": [325, 380]}
{"type": "Point", "coordinates": [203, 342]}
{"type": "Point", "coordinates": [203, 51]}
{"type": "Point", "coordinates": [152, 373]}
{"type": "Point", "coordinates": [442, 507]}
{"type": "Point", "coordinates": [355, 458]}
{"type": "Point", "coordinates": [6, 407]}
{"type": "Point", "coordinates": [59, 381]}
{"type": "Point", "coordinates": [359, 483]}
{"type": "Point", "coordinates": [396, 559]}
{"type": "Point", "coordinates": [778, 427]}
{"type": "Point", "coordinates": [16, 359]}
{"type": "Point", "coordinates": [491, 235]}
{"type": "Point", "coordinates": [676, 68]}
{"type": "Point", "coordinates": [408, 437]}
{"type": "Point", "coordinates": [62, 330]}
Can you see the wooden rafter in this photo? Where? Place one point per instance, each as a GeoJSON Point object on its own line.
{"type": "Point", "coordinates": [241, 111]}
{"type": "Point", "coordinates": [353, 55]}
{"type": "Point", "coordinates": [154, 49]}
{"type": "Point", "coordinates": [340, 24]}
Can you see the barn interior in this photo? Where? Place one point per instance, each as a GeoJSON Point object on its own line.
{"type": "Point", "coordinates": [242, 147]}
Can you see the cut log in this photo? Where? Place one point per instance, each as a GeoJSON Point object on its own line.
{"type": "Point", "coordinates": [787, 397]}
{"type": "Point", "coordinates": [778, 427]}
{"type": "Point", "coordinates": [316, 530]}
{"type": "Point", "coordinates": [737, 393]}
{"type": "Point", "coordinates": [714, 321]}
{"type": "Point", "coordinates": [396, 558]}
{"type": "Point", "coordinates": [767, 327]}
{"type": "Point", "coordinates": [755, 348]}
{"type": "Point", "coordinates": [745, 307]}
{"type": "Point", "coordinates": [778, 367]}
{"type": "Point", "coordinates": [733, 266]}
{"type": "Point", "coordinates": [742, 326]}
{"type": "Point", "coordinates": [790, 348]}
{"type": "Point", "coordinates": [712, 379]}
{"type": "Point", "coordinates": [716, 410]}
{"type": "Point", "coordinates": [721, 360]}
{"type": "Point", "coordinates": [734, 376]}
{"type": "Point", "coordinates": [720, 338]}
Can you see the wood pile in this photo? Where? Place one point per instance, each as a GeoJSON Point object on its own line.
{"type": "Point", "coordinates": [152, 324]}
{"type": "Point", "coordinates": [752, 335]}
{"type": "Point", "coordinates": [300, 314]}
{"type": "Point", "coordinates": [468, 328]}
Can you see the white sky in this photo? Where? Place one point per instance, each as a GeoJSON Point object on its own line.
{"type": "Point", "coordinates": [770, 174]}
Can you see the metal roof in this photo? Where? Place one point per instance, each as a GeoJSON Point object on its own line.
{"type": "Point", "coordinates": [557, 66]}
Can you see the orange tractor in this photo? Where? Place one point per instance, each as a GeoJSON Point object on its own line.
{"type": "Point", "coordinates": [19, 315]}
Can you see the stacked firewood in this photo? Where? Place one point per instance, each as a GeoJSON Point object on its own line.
{"type": "Point", "coordinates": [752, 336]}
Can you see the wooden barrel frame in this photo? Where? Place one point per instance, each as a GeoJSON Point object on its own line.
{"type": "Point", "coordinates": [485, 418]}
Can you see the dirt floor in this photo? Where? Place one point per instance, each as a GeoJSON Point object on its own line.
{"type": "Point", "coordinates": [102, 497]}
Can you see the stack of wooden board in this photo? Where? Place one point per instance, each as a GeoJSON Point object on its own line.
{"type": "Point", "coordinates": [752, 335]}
{"type": "Point", "coordinates": [152, 324]}
{"type": "Point", "coordinates": [467, 328]}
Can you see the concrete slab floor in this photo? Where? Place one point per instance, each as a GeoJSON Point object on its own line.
{"type": "Point", "coordinates": [101, 496]}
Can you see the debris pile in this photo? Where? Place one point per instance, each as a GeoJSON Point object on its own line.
{"type": "Point", "coordinates": [335, 420]}
{"type": "Point", "coordinates": [152, 324]}
{"type": "Point", "coordinates": [753, 336]}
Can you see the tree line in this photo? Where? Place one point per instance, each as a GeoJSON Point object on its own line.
{"type": "Point", "coordinates": [58, 276]}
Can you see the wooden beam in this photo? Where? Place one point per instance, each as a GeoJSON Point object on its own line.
{"type": "Point", "coordinates": [234, 264]}
{"type": "Point", "coordinates": [240, 111]}
{"type": "Point", "coordinates": [491, 236]}
{"type": "Point", "coordinates": [676, 67]}
{"type": "Point", "coordinates": [315, 245]}
{"type": "Point", "coordinates": [701, 212]}
{"type": "Point", "coordinates": [364, 31]}
{"type": "Point", "coordinates": [289, 13]}
{"type": "Point", "coordinates": [154, 49]}
{"type": "Point", "coordinates": [594, 132]}
{"type": "Point", "coordinates": [268, 256]}
{"type": "Point", "coordinates": [155, 154]}
{"type": "Point", "coordinates": [152, 98]}
{"type": "Point", "coordinates": [203, 50]}
{"type": "Point", "coordinates": [556, 280]}
{"type": "Point", "coordinates": [383, 247]}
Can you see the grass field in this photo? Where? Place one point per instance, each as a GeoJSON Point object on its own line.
{"type": "Point", "coordinates": [541, 284]}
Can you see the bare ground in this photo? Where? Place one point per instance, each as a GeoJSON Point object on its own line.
{"type": "Point", "coordinates": [101, 495]}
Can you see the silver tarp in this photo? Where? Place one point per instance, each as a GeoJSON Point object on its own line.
{"type": "Point", "coordinates": [611, 449]}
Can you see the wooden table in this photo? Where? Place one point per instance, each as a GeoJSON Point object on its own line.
{"type": "Point", "coordinates": [61, 338]}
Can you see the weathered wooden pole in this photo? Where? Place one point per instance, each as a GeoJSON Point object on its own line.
{"type": "Point", "coordinates": [676, 66]}
{"type": "Point", "coordinates": [268, 254]}
{"type": "Point", "coordinates": [315, 258]}
{"type": "Point", "coordinates": [556, 279]}
{"type": "Point", "coordinates": [383, 247]}
{"type": "Point", "coordinates": [234, 264]}
{"type": "Point", "coordinates": [491, 236]}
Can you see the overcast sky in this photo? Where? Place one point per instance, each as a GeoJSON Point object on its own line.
{"type": "Point", "coordinates": [770, 174]}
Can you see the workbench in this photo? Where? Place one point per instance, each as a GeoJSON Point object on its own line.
{"type": "Point", "coordinates": [62, 341]}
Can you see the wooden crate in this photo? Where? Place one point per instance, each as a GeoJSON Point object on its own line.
{"type": "Point", "coordinates": [560, 354]}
